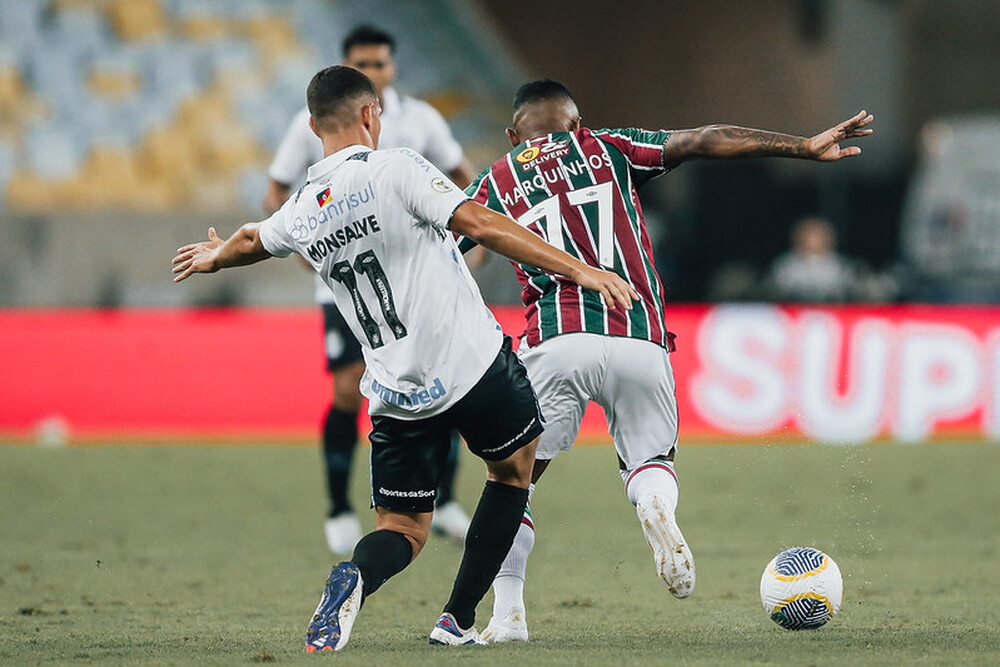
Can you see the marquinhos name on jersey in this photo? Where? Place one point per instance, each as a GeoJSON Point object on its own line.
{"type": "Point", "coordinates": [578, 191]}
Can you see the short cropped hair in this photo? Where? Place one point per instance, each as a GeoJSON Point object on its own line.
{"type": "Point", "coordinates": [368, 34]}
{"type": "Point", "coordinates": [543, 89]}
{"type": "Point", "coordinates": [333, 91]}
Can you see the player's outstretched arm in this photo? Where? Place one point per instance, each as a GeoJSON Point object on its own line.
{"type": "Point", "coordinates": [502, 235]}
{"type": "Point", "coordinates": [727, 142]}
{"type": "Point", "coordinates": [242, 248]}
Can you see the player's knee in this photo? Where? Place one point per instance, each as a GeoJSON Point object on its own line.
{"type": "Point", "coordinates": [416, 536]}
{"type": "Point", "coordinates": [516, 469]}
{"type": "Point", "coordinates": [415, 527]}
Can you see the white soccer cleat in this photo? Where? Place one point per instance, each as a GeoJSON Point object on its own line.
{"type": "Point", "coordinates": [674, 562]}
{"type": "Point", "coordinates": [451, 520]}
{"type": "Point", "coordinates": [342, 532]}
{"type": "Point", "coordinates": [512, 627]}
{"type": "Point", "coordinates": [447, 633]}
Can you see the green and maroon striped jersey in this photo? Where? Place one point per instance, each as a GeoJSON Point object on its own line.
{"type": "Point", "coordinates": [577, 190]}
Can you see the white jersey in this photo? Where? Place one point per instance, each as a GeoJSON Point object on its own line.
{"type": "Point", "coordinates": [374, 225]}
{"type": "Point", "coordinates": [406, 122]}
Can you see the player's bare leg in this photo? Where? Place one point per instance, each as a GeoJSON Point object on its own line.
{"type": "Point", "coordinates": [397, 539]}
{"type": "Point", "coordinates": [491, 534]}
{"type": "Point", "coordinates": [652, 488]}
{"type": "Point", "coordinates": [510, 622]}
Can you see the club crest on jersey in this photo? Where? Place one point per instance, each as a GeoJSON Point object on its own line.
{"type": "Point", "coordinates": [323, 198]}
{"type": "Point", "coordinates": [440, 185]}
{"type": "Point", "coordinates": [532, 156]}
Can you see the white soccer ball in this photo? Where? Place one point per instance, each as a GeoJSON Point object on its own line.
{"type": "Point", "coordinates": [801, 588]}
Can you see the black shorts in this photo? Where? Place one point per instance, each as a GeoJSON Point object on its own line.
{"type": "Point", "coordinates": [497, 417]}
{"type": "Point", "coordinates": [342, 348]}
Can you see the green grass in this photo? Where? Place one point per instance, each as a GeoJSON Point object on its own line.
{"type": "Point", "coordinates": [207, 555]}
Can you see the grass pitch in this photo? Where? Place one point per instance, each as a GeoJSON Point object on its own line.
{"type": "Point", "coordinates": [215, 555]}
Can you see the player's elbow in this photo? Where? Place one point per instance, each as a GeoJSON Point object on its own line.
{"type": "Point", "coordinates": [704, 142]}
{"type": "Point", "coordinates": [250, 246]}
{"type": "Point", "coordinates": [473, 221]}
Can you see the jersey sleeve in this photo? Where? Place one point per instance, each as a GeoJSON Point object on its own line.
{"type": "Point", "coordinates": [478, 191]}
{"type": "Point", "coordinates": [425, 192]}
{"type": "Point", "coordinates": [643, 149]}
{"type": "Point", "coordinates": [275, 234]}
{"type": "Point", "coordinates": [440, 146]}
{"type": "Point", "coordinates": [299, 149]}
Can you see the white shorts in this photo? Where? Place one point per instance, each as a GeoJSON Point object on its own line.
{"type": "Point", "coordinates": [630, 378]}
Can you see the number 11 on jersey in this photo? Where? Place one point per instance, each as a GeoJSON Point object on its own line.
{"type": "Point", "coordinates": [367, 264]}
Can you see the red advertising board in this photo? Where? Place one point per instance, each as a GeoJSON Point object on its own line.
{"type": "Point", "coordinates": [845, 375]}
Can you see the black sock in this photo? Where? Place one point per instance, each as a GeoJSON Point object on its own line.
{"type": "Point", "coordinates": [380, 555]}
{"type": "Point", "coordinates": [446, 482]}
{"type": "Point", "coordinates": [340, 437]}
{"type": "Point", "coordinates": [491, 533]}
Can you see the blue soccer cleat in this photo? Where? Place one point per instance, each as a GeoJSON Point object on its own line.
{"type": "Point", "coordinates": [331, 624]}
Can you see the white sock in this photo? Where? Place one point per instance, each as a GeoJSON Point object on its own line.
{"type": "Point", "coordinates": [508, 586]}
{"type": "Point", "coordinates": [654, 477]}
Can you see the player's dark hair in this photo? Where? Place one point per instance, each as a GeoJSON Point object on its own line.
{"type": "Point", "coordinates": [333, 90]}
{"type": "Point", "coordinates": [543, 89]}
{"type": "Point", "coordinates": [364, 35]}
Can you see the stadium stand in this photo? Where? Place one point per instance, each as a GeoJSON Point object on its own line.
{"type": "Point", "coordinates": [140, 105]}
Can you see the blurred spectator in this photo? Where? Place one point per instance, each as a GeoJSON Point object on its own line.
{"type": "Point", "coordinates": [951, 221]}
{"type": "Point", "coordinates": [812, 271]}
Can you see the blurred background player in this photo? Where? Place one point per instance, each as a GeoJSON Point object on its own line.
{"type": "Point", "coordinates": [577, 188]}
{"type": "Point", "coordinates": [406, 122]}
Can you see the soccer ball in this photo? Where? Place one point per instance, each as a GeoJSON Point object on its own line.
{"type": "Point", "coordinates": [801, 588]}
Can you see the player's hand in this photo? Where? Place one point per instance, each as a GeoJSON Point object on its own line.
{"type": "Point", "coordinates": [197, 257]}
{"type": "Point", "coordinates": [610, 285]}
{"type": "Point", "coordinates": [825, 146]}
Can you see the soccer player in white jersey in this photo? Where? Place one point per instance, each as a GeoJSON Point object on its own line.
{"type": "Point", "coordinates": [406, 122]}
{"type": "Point", "coordinates": [578, 189]}
{"type": "Point", "coordinates": [379, 227]}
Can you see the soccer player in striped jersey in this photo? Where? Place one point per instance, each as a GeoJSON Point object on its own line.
{"type": "Point", "coordinates": [578, 189]}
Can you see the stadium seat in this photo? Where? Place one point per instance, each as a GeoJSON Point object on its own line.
{"type": "Point", "coordinates": [31, 193]}
{"type": "Point", "coordinates": [137, 20]}
{"type": "Point", "coordinates": [12, 91]}
{"type": "Point", "coordinates": [202, 22]}
{"type": "Point", "coordinates": [108, 178]}
{"type": "Point", "coordinates": [449, 102]}
{"type": "Point", "coordinates": [231, 147]}
{"type": "Point", "coordinates": [70, 5]}
{"type": "Point", "coordinates": [6, 168]}
{"type": "Point", "coordinates": [114, 76]}
{"type": "Point", "coordinates": [83, 30]}
{"type": "Point", "coordinates": [172, 71]}
{"type": "Point", "coordinates": [167, 154]}
{"type": "Point", "coordinates": [52, 151]}
{"type": "Point", "coordinates": [235, 66]}
{"type": "Point", "coordinates": [272, 35]}
{"type": "Point", "coordinates": [21, 22]}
